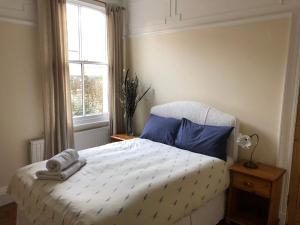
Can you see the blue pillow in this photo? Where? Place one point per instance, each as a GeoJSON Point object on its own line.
{"type": "Point", "coordinates": [203, 139]}
{"type": "Point", "coordinates": [161, 129]}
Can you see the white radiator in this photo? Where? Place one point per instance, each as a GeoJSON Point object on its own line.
{"type": "Point", "coordinates": [91, 138]}
{"type": "Point", "coordinates": [83, 139]}
{"type": "Point", "coordinates": [36, 150]}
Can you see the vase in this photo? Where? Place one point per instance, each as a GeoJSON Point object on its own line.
{"type": "Point", "coordinates": [129, 130]}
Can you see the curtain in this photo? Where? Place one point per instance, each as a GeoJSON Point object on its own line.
{"type": "Point", "coordinates": [58, 121]}
{"type": "Point", "coordinates": [115, 66]}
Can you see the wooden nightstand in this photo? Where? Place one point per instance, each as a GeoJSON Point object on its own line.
{"type": "Point", "coordinates": [121, 137]}
{"type": "Point", "coordinates": [254, 195]}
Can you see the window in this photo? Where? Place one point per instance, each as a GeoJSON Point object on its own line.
{"type": "Point", "coordinates": [87, 52]}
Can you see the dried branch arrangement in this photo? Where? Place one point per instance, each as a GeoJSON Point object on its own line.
{"type": "Point", "coordinates": [130, 99]}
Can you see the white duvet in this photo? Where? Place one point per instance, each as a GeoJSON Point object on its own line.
{"type": "Point", "coordinates": [136, 182]}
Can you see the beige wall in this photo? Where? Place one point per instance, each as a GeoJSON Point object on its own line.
{"type": "Point", "coordinates": [239, 69]}
{"type": "Point", "coordinates": [20, 96]}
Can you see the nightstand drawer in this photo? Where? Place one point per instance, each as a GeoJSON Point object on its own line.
{"type": "Point", "coordinates": [252, 184]}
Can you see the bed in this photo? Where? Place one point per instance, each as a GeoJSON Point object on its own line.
{"type": "Point", "coordinates": [134, 182]}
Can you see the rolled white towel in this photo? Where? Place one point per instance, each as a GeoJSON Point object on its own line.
{"type": "Point", "coordinates": [62, 175]}
{"type": "Point", "coordinates": [62, 160]}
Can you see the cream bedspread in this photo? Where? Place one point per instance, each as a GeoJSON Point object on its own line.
{"type": "Point", "coordinates": [135, 182]}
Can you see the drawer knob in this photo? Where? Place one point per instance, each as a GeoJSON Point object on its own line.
{"type": "Point", "coordinates": [248, 184]}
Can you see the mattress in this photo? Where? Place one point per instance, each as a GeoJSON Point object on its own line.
{"type": "Point", "coordinates": [132, 182]}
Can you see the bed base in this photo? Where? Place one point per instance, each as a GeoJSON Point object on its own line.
{"type": "Point", "coordinates": [209, 214]}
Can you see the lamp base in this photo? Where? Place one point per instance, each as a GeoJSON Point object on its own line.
{"type": "Point", "coordinates": [250, 165]}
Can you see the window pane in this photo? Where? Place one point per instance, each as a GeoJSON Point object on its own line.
{"type": "Point", "coordinates": [95, 78]}
{"type": "Point", "coordinates": [73, 31]}
{"type": "Point", "coordinates": [76, 89]}
{"type": "Point", "coordinates": [93, 29]}
{"type": "Point", "coordinates": [86, 27]}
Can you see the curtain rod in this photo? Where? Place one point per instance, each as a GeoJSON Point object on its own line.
{"type": "Point", "coordinates": [105, 3]}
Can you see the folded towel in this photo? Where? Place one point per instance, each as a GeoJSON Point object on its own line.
{"type": "Point", "coordinates": [62, 175]}
{"type": "Point", "coordinates": [62, 160]}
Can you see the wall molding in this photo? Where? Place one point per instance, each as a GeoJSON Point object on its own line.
{"type": "Point", "coordinates": [223, 9]}
{"type": "Point", "coordinates": [174, 18]}
{"type": "Point", "coordinates": [160, 20]}
{"type": "Point", "coordinates": [17, 21]}
{"type": "Point", "coordinates": [172, 25]}
{"type": "Point", "coordinates": [19, 11]}
{"type": "Point", "coordinates": [227, 23]}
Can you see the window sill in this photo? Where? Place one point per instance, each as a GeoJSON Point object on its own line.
{"type": "Point", "coordinates": [90, 126]}
{"type": "Point", "coordinates": [90, 122]}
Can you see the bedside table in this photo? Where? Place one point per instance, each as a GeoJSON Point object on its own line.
{"type": "Point", "coordinates": [121, 137]}
{"type": "Point", "coordinates": [254, 195]}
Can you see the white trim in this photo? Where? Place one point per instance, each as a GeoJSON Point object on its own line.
{"type": "Point", "coordinates": [227, 23]}
{"type": "Point", "coordinates": [91, 126]}
{"type": "Point", "coordinates": [88, 120]}
{"type": "Point", "coordinates": [4, 197]}
{"type": "Point", "coordinates": [92, 119]}
{"type": "Point", "coordinates": [289, 108]}
{"type": "Point", "coordinates": [89, 3]}
{"type": "Point", "coordinates": [3, 190]}
{"type": "Point", "coordinates": [282, 217]}
{"type": "Point", "coordinates": [18, 21]}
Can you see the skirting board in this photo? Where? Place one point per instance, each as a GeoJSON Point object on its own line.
{"type": "Point", "coordinates": [4, 197]}
{"type": "Point", "coordinates": [282, 217]}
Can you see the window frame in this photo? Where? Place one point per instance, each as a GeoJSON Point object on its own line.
{"type": "Point", "coordinates": [102, 118]}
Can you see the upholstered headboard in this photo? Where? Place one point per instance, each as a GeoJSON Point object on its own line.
{"type": "Point", "coordinates": [201, 114]}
